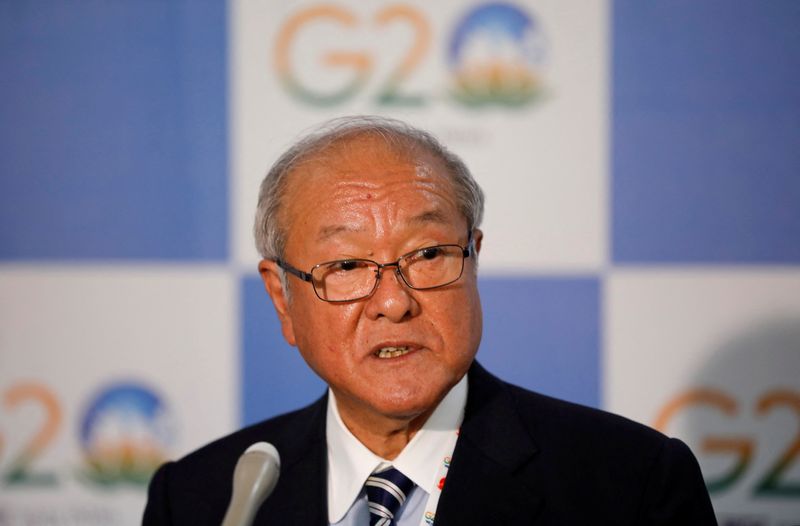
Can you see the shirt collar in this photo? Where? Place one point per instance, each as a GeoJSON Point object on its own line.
{"type": "Point", "coordinates": [350, 462]}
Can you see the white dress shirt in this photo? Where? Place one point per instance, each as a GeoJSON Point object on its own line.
{"type": "Point", "coordinates": [350, 462]}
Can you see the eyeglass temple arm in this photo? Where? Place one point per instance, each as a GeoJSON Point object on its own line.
{"type": "Point", "coordinates": [305, 276]}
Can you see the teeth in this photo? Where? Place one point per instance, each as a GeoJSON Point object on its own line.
{"type": "Point", "coordinates": [391, 352]}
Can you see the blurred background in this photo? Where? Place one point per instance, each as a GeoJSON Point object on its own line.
{"type": "Point", "coordinates": [641, 162]}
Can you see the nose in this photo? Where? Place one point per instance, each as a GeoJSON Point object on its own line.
{"type": "Point", "coordinates": [392, 298]}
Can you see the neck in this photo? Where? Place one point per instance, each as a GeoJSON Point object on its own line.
{"type": "Point", "coordinates": [384, 436]}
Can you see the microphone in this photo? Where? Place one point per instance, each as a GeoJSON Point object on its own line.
{"type": "Point", "coordinates": [254, 478]}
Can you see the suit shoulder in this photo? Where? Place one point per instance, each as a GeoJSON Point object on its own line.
{"type": "Point", "coordinates": [559, 420]}
{"type": "Point", "coordinates": [572, 453]}
{"type": "Point", "coordinates": [196, 488]}
{"type": "Point", "coordinates": [289, 433]}
{"type": "Point", "coordinates": [641, 460]}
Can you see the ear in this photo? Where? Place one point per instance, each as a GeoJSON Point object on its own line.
{"type": "Point", "coordinates": [477, 236]}
{"type": "Point", "coordinates": [272, 282]}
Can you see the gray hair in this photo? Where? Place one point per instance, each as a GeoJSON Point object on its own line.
{"type": "Point", "coordinates": [270, 234]}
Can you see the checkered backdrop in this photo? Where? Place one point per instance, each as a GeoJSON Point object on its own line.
{"type": "Point", "coordinates": [642, 249]}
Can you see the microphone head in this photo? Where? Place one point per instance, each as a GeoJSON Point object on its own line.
{"type": "Point", "coordinates": [267, 449]}
{"type": "Point", "coordinates": [254, 477]}
{"type": "Point", "coordinates": [258, 469]}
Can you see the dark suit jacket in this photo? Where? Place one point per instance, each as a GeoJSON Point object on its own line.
{"type": "Point", "coordinates": [521, 458]}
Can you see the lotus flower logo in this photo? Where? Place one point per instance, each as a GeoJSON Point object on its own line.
{"type": "Point", "coordinates": [496, 56]}
{"type": "Point", "coordinates": [124, 433]}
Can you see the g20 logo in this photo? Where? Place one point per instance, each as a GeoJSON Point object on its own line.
{"type": "Point", "coordinates": [124, 433]}
{"type": "Point", "coordinates": [494, 55]}
{"type": "Point", "coordinates": [773, 481]}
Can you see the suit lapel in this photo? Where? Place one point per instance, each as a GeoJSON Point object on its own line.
{"type": "Point", "coordinates": [490, 462]}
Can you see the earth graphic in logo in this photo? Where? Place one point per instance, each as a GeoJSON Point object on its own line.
{"type": "Point", "coordinates": [496, 56]}
{"type": "Point", "coordinates": [124, 433]}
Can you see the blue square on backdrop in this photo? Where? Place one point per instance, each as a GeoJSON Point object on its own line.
{"type": "Point", "coordinates": [541, 333]}
{"type": "Point", "coordinates": [274, 377]}
{"type": "Point", "coordinates": [113, 143]}
{"type": "Point", "coordinates": [706, 132]}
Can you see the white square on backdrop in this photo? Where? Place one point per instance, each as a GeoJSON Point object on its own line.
{"type": "Point", "coordinates": [712, 356]}
{"type": "Point", "coordinates": [75, 342]}
{"type": "Point", "coordinates": [542, 163]}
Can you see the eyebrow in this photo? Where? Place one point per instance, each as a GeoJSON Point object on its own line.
{"type": "Point", "coordinates": [429, 216]}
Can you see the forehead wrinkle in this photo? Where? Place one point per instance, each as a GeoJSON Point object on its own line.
{"type": "Point", "coordinates": [379, 193]}
{"type": "Point", "coordinates": [430, 216]}
{"type": "Point", "coordinates": [356, 189]}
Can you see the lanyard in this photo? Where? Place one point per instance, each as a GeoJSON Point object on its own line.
{"type": "Point", "coordinates": [441, 476]}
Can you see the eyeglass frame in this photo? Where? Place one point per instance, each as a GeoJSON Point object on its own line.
{"type": "Point", "coordinates": [466, 252]}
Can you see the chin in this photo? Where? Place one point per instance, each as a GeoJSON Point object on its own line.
{"type": "Point", "coordinates": [406, 405]}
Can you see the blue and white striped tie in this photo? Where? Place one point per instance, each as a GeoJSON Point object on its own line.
{"type": "Point", "coordinates": [386, 492]}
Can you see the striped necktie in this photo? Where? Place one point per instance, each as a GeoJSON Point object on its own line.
{"type": "Point", "coordinates": [386, 492]}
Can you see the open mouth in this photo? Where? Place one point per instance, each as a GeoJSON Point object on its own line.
{"type": "Point", "coordinates": [391, 352]}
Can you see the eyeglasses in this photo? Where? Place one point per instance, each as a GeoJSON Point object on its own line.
{"type": "Point", "coordinates": [345, 280]}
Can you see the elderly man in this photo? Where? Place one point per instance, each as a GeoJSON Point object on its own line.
{"type": "Point", "coordinates": [369, 233]}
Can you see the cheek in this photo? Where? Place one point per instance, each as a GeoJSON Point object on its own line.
{"type": "Point", "coordinates": [324, 330]}
{"type": "Point", "coordinates": [459, 320]}
{"type": "Point", "coordinates": [470, 320]}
